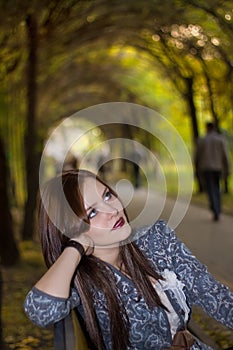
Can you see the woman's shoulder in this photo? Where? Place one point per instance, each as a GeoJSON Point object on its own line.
{"type": "Point", "coordinates": [156, 241]}
{"type": "Point", "coordinates": [157, 235]}
{"type": "Point", "coordinates": [157, 230]}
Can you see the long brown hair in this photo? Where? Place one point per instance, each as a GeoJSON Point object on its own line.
{"type": "Point", "coordinates": [92, 273]}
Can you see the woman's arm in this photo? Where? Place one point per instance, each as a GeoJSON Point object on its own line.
{"type": "Point", "coordinates": [56, 281]}
{"type": "Point", "coordinates": [202, 288]}
{"type": "Point", "coordinates": [166, 251]}
{"type": "Point", "coordinates": [51, 299]}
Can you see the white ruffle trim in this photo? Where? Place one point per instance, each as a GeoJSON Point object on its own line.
{"type": "Point", "coordinates": [172, 283]}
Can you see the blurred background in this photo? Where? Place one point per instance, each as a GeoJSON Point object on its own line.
{"type": "Point", "coordinates": [59, 57]}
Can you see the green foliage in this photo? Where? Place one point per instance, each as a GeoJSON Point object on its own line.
{"type": "Point", "coordinates": [159, 94]}
{"type": "Point", "coordinates": [92, 52]}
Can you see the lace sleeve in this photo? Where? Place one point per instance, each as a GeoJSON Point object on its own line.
{"type": "Point", "coordinates": [44, 309]}
{"type": "Point", "coordinates": [201, 287]}
{"type": "Point", "coordinates": [171, 282]}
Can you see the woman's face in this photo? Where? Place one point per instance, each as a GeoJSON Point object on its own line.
{"type": "Point", "coordinates": [108, 223]}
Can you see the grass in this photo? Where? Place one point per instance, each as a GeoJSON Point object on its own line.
{"type": "Point", "coordinates": [219, 334]}
{"type": "Point", "coordinates": [18, 331]}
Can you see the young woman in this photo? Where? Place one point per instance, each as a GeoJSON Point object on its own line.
{"type": "Point", "coordinates": [134, 290]}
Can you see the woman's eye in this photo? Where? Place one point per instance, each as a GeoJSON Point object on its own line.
{"type": "Point", "coordinates": [107, 196]}
{"type": "Point", "coordinates": [92, 214]}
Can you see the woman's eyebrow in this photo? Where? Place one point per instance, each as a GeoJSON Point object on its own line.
{"type": "Point", "coordinates": [91, 207]}
{"type": "Point", "coordinates": [104, 192]}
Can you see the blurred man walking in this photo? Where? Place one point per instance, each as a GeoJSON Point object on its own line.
{"type": "Point", "coordinates": [212, 161]}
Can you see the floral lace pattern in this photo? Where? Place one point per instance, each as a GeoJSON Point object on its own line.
{"type": "Point", "coordinates": [171, 283]}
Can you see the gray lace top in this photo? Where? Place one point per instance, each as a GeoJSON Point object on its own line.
{"type": "Point", "coordinates": [187, 282]}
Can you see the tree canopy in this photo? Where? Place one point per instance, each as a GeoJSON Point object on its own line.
{"type": "Point", "coordinates": [60, 56]}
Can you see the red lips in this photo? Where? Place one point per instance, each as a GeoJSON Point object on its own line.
{"type": "Point", "coordinates": [119, 223]}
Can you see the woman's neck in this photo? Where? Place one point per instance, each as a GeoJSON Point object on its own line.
{"type": "Point", "coordinates": [109, 255]}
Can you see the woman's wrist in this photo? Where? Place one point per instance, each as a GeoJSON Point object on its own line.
{"type": "Point", "coordinates": [76, 245]}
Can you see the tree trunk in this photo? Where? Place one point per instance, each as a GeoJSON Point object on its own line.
{"type": "Point", "coordinates": [32, 159]}
{"type": "Point", "coordinates": [192, 108]}
{"type": "Point", "coordinates": [1, 337]}
{"type": "Point", "coordinates": [195, 129]}
{"type": "Point", "coordinates": [211, 98]}
{"type": "Point", "coordinates": [9, 253]}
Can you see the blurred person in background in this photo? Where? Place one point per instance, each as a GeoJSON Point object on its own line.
{"type": "Point", "coordinates": [212, 162]}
